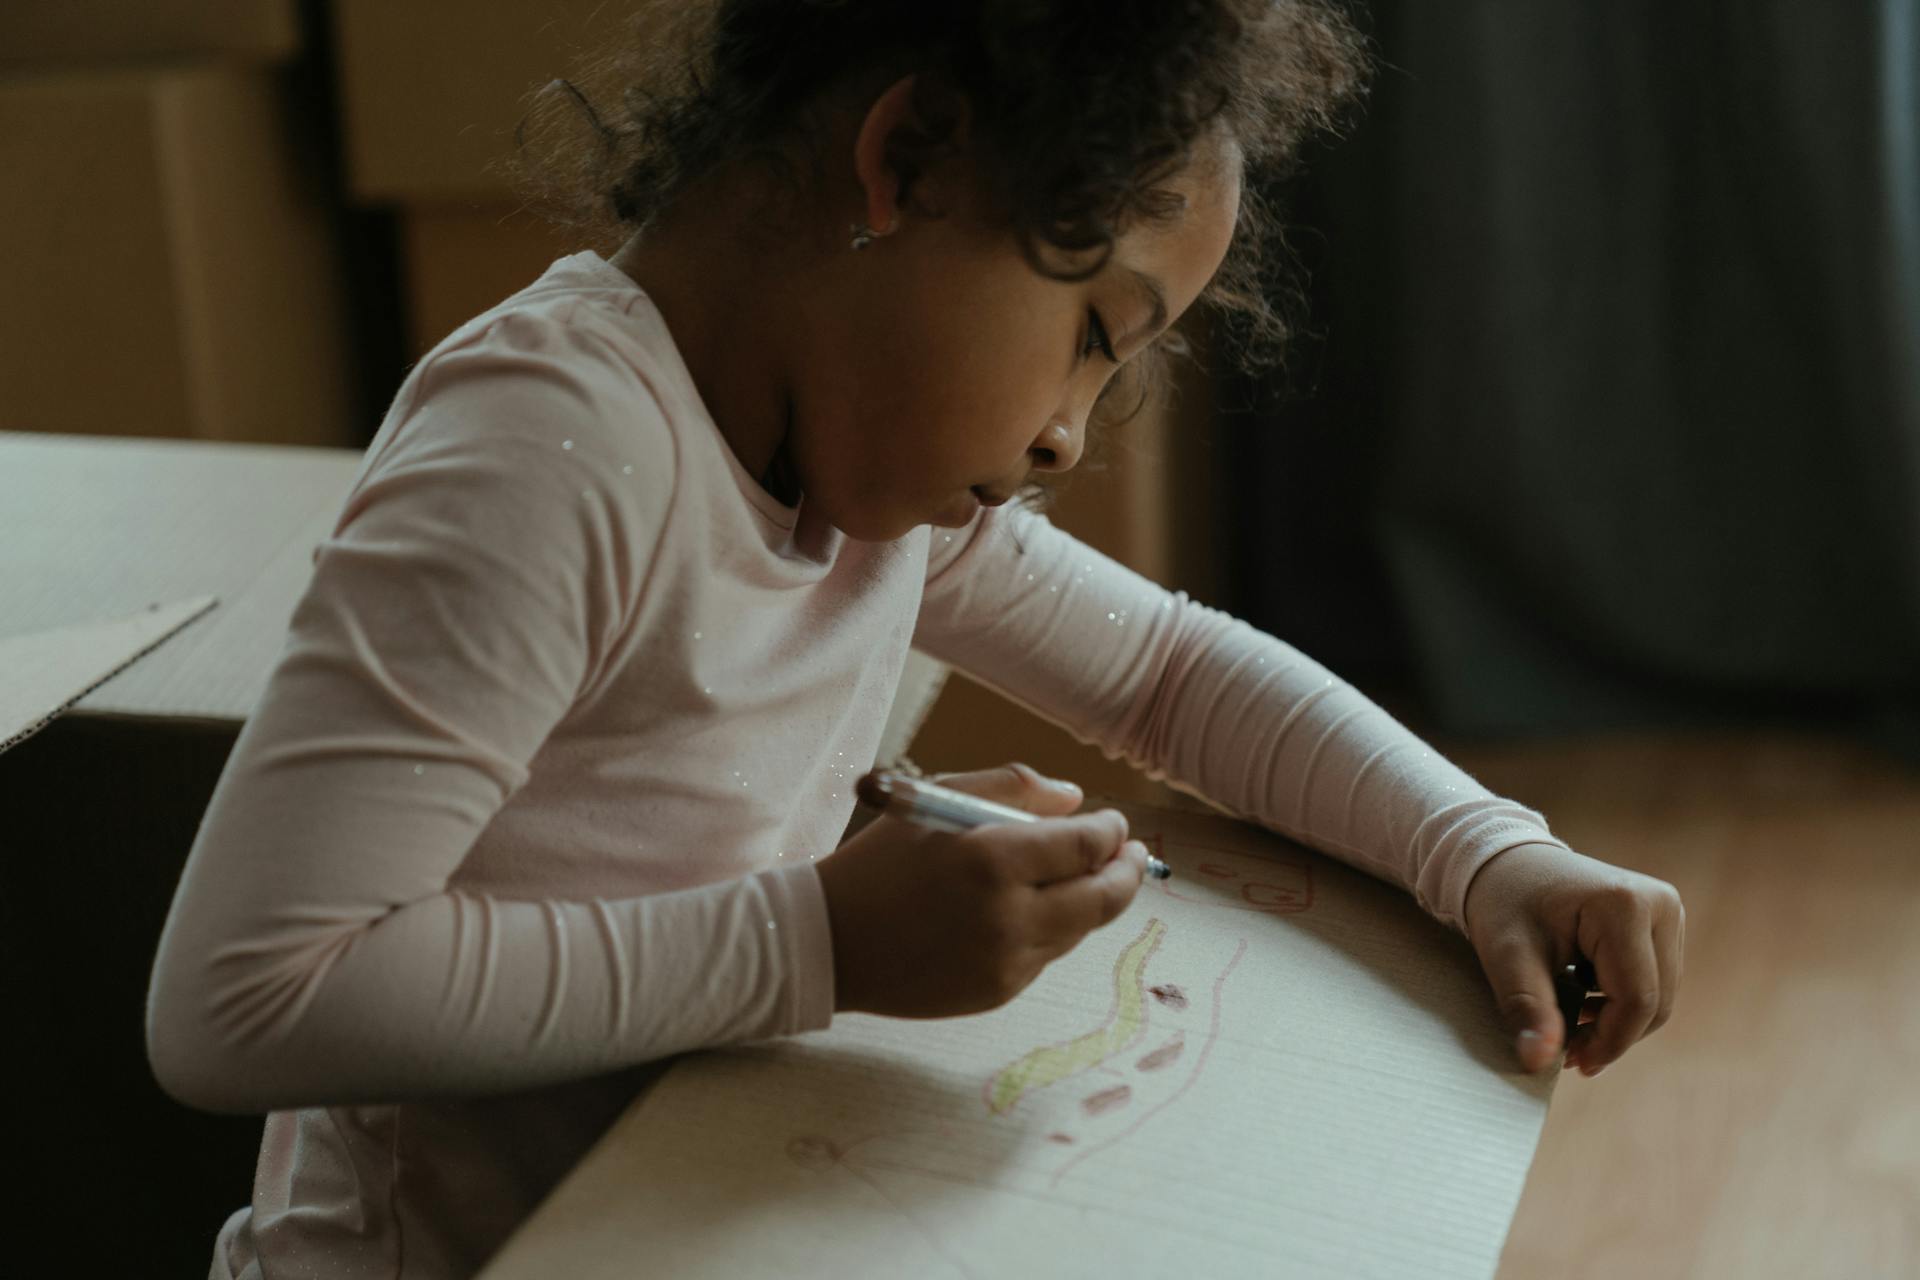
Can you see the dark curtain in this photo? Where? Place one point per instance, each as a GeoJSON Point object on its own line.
{"type": "Point", "coordinates": [1609, 415]}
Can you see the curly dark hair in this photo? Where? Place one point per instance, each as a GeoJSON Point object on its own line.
{"type": "Point", "coordinates": [1086, 108]}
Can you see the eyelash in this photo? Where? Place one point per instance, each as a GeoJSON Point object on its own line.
{"type": "Point", "coordinates": [1097, 338]}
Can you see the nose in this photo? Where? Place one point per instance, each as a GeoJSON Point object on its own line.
{"type": "Point", "coordinates": [1058, 447]}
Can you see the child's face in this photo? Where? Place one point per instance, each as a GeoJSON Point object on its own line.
{"type": "Point", "coordinates": [948, 370]}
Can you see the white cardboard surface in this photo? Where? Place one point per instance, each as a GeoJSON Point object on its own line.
{"type": "Point", "coordinates": [1334, 1098]}
{"type": "Point", "coordinates": [48, 671]}
{"type": "Point", "coordinates": [99, 529]}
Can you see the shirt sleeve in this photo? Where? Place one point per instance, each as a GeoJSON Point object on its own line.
{"type": "Point", "coordinates": [1210, 705]}
{"type": "Point", "coordinates": [318, 950]}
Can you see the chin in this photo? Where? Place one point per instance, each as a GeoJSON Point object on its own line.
{"type": "Point", "coordinates": [873, 526]}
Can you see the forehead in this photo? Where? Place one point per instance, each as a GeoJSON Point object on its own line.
{"type": "Point", "coordinates": [1185, 248]}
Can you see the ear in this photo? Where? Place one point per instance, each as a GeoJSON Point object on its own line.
{"type": "Point", "coordinates": [890, 150]}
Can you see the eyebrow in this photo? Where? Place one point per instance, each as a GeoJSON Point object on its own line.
{"type": "Point", "coordinates": [1154, 295]}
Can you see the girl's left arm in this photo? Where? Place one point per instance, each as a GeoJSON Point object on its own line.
{"type": "Point", "coordinates": [1220, 709]}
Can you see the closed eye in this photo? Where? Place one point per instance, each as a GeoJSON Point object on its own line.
{"type": "Point", "coordinates": [1097, 338]}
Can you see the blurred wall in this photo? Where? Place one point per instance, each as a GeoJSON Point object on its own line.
{"type": "Point", "coordinates": [1613, 415]}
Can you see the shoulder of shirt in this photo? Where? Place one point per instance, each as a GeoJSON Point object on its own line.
{"type": "Point", "coordinates": [566, 353]}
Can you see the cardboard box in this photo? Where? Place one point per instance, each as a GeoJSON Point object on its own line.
{"type": "Point", "coordinates": [431, 89]}
{"type": "Point", "coordinates": [41, 32]}
{"type": "Point", "coordinates": [103, 804]}
{"type": "Point", "coordinates": [171, 269]}
{"type": "Point", "coordinates": [457, 260]}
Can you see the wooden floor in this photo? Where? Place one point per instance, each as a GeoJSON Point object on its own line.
{"type": "Point", "coordinates": [1772, 1128]}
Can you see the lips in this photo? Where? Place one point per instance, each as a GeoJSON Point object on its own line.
{"type": "Point", "coordinates": [988, 498]}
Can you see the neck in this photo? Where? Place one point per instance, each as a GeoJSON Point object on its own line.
{"type": "Point", "coordinates": [698, 272]}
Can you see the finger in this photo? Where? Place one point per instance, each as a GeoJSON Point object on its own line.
{"type": "Point", "coordinates": [1068, 910]}
{"type": "Point", "coordinates": [1517, 969]}
{"type": "Point", "coordinates": [1624, 964]}
{"type": "Point", "coordinates": [1669, 948]}
{"type": "Point", "coordinates": [1018, 785]}
{"type": "Point", "coordinates": [1056, 849]}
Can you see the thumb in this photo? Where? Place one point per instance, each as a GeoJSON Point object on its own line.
{"type": "Point", "coordinates": [1518, 972]}
{"type": "Point", "coordinates": [1017, 785]}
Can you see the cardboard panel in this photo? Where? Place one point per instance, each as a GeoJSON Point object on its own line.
{"type": "Point", "coordinates": [1269, 1065]}
{"type": "Point", "coordinates": [459, 259]}
{"type": "Point", "coordinates": [114, 549]}
{"type": "Point", "coordinates": [38, 32]}
{"type": "Point", "coordinates": [91, 336]}
{"type": "Point", "coordinates": [431, 89]}
{"type": "Point", "coordinates": [175, 272]}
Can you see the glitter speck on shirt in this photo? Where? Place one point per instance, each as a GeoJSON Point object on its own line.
{"type": "Point", "coordinates": [419, 768]}
{"type": "Point", "coordinates": [696, 635]}
{"type": "Point", "coordinates": [566, 444]}
{"type": "Point", "coordinates": [627, 470]}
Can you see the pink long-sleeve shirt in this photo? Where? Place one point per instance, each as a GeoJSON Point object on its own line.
{"type": "Point", "coordinates": [567, 713]}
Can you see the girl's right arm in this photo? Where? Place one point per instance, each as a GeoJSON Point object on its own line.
{"type": "Point", "coordinates": [316, 951]}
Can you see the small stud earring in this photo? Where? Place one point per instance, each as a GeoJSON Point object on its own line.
{"type": "Point", "coordinates": [862, 235]}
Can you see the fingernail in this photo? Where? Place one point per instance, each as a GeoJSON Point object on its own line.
{"type": "Point", "coordinates": [1060, 784]}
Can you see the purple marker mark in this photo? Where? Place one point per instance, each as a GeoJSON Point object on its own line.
{"type": "Point", "coordinates": [1164, 1054]}
{"type": "Point", "coordinates": [1169, 995]}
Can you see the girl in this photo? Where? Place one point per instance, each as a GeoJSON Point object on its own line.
{"type": "Point", "coordinates": [548, 782]}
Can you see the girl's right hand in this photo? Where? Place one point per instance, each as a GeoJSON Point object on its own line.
{"type": "Point", "coordinates": [928, 924]}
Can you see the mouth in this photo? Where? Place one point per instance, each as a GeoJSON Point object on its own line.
{"type": "Point", "coordinates": [988, 498]}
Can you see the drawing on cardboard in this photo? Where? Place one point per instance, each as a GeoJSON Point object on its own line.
{"type": "Point", "coordinates": [1053, 1063]}
{"type": "Point", "coordinates": [1272, 883]}
{"type": "Point", "coordinates": [1116, 1098]}
{"type": "Point", "coordinates": [1058, 1103]}
{"type": "Point", "coordinates": [1054, 1106]}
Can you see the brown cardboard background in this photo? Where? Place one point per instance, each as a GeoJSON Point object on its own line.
{"type": "Point", "coordinates": [171, 270]}
{"type": "Point", "coordinates": [74, 31]}
{"type": "Point", "coordinates": [431, 89]}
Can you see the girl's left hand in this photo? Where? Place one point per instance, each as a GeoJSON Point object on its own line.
{"type": "Point", "coordinates": [1531, 907]}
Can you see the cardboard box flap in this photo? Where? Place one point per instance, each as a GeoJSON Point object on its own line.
{"type": "Point", "coordinates": [102, 527]}
{"type": "Point", "coordinates": [49, 671]}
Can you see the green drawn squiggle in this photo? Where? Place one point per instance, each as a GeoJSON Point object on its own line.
{"type": "Point", "coordinates": [1055, 1062]}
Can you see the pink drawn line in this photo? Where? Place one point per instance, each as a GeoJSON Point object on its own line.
{"type": "Point", "coordinates": [1199, 1065]}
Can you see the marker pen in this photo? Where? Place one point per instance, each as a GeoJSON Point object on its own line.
{"type": "Point", "coordinates": [944, 809]}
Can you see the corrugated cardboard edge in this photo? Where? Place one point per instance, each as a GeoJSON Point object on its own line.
{"type": "Point", "coordinates": [187, 611]}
